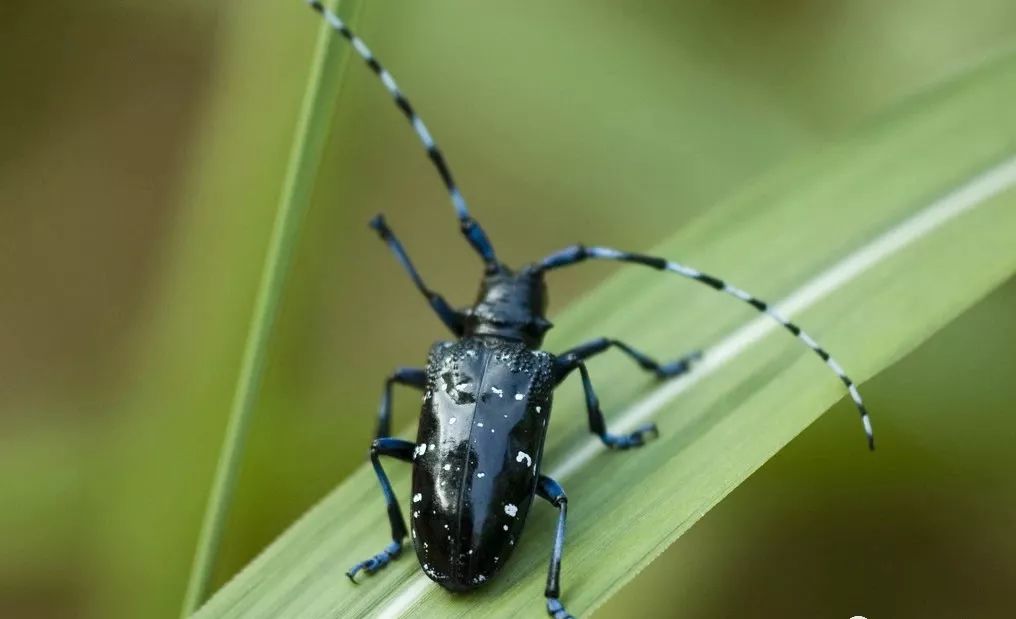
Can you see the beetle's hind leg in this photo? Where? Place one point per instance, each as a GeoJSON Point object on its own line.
{"type": "Point", "coordinates": [402, 450]}
{"type": "Point", "coordinates": [550, 490]}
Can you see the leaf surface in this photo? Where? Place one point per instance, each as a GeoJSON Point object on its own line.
{"type": "Point", "coordinates": [873, 245]}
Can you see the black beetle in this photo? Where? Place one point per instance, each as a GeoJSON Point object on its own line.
{"type": "Point", "coordinates": [488, 394]}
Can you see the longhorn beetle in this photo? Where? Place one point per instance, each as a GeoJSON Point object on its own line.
{"type": "Point", "coordinates": [487, 398]}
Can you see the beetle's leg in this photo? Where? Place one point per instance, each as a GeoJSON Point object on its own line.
{"type": "Point", "coordinates": [661, 370]}
{"type": "Point", "coordinates": [411, 377]}
{"type": "Point", "coordinates": [552, 491]}
{"type": "Point", "coordinates": [563, 366]}
{"type": "Point", "coordinates": [403, 450]}
{"type": "Point", "coordinates": [453, 319]}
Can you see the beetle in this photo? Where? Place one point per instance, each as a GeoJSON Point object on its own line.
{"type": "Point", "coordinates": [488, 393]}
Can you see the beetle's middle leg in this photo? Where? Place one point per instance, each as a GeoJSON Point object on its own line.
{"type": "Point", "coordinates": [411, 377]}
{"type": "Point", "coordinates": [574, 358]}
{"type": "Point", "coordinates": [563, 367]}
{"type": "Point", "coordinates": [402, 450]}
{"type": "Point", "coordinates": [670, 369]}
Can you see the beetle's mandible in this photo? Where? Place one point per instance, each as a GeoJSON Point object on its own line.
{"type": "Point", "coordinates": [488, 394]}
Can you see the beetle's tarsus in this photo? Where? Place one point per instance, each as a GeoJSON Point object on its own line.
{"type": "Point", "coordinates": [378, 561]}
{"type": "Point", "coordinates": [556, 610]}
{"type": "Point", "coordinates": [378, 224]}
{"type": "Point", "coordinates": [678, 367]}
{"type": "Point", "coordinates": [637, 438]}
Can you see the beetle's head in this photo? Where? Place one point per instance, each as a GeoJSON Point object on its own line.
{"type": "Point", "coordinates": [510, 305]}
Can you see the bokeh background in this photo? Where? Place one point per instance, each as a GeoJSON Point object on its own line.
{"type": "Point", "coordinates": [142, 148]}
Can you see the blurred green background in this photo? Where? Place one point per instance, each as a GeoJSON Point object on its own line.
{"type": "Point", "coordinates": [143, 149]}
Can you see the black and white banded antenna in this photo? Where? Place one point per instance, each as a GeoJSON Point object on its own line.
{"type": "Point", "coordinates": [469, 226]}
{"type": "Point", "coordinates": [578, 253]}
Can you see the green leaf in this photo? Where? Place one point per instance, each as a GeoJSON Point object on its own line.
{"type": "Point", "coordinates": [322, 91]}
{"type": "Point", "coordinates": [873, 245]}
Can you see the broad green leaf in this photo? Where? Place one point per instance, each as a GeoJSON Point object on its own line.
{"type": "Point", "coordinates": [308, 147]}
{"type": "Point", "coordinates": [873, 245]}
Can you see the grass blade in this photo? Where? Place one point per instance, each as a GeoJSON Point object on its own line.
{"type": "Point", "coordinates": [873, 246]}
{"type": "Point", "coordinates": [330, 59]}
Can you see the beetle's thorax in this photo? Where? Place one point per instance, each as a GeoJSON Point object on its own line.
{"type": "Point", "coordinates": [510, 306]}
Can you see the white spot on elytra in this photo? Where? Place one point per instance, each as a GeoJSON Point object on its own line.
{"type": "Point", "coordinates": [447, 467]}
{"type": "Point", "coordinates": [519, 396]}
{"type": "Point", "coordinates": [524, 456]}
{"type": "Point", "coordinates": [420, 450]}
{"type": "Point", "coordinates": [479, 425]}
{"type": "Point", "coordinates": [416, 514]}
{"type": "Point", "coordinates": [539, 409]}
{"type": "Point", "coordinates": [511, 509]}
{"type": "Point", "coordinates": [481, 475]}
{"type": "Point", "coordinates": [417, 497]}
{"type": "Point", "coordinates": [505, 527]}
{"type": "Point", "coordinates": [499, 392]}
{"type": "Point", "coordinates": [432, 448]}
{"type": "Point", "coordinates": [451, 421]}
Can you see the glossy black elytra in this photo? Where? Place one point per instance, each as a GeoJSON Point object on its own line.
{"type": "Point", "coordinates": [488, 394]}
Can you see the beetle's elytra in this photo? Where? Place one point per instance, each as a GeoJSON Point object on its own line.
{"type": "Point", "coordinates": [475, 468]}
{"type": "Point", "coordinates": [487, 398]}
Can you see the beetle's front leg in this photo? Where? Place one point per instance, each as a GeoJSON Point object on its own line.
{"type": "Point", "coordinates": [597, 425]}
{"type": "Point", "coordinates": [451, 318]}
{"type": "Point", "coordinates": [402, 450]}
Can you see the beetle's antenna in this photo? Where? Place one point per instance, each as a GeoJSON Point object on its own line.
{"type": "Point", "coordinates": [469, 226]}
{"type": "Point", "coordinates": [578, 253]}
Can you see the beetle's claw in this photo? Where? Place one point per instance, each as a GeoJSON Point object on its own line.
{"type": "Point", "coordinates": [556, 610]}
{"type": "Point", "coordinates": [376, 562]}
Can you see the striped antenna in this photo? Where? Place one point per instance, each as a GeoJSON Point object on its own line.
{"type": "Point", "coordinates": [578, 253]}
{"type": "Point", "coordinates": [469, 226]}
